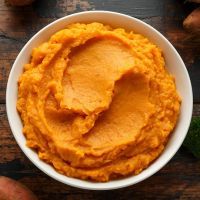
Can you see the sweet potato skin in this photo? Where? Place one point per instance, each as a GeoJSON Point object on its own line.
{"type": "Point", "coordinates": [192, 22]}
{"type": "Point", "coordinates": [13, 190]}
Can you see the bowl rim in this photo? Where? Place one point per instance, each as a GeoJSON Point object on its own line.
{"type": "Point", "coordinates": [95, 185]}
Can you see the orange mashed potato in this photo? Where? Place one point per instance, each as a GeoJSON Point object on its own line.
{"type": "Point", "coordinates": [96, 102]}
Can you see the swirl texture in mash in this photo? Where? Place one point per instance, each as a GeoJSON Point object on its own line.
{"type": "Point", "coordinates": [96, 102]}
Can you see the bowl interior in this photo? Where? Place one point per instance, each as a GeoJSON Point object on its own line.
{"type": "Point", "coordinates": [174, 65]}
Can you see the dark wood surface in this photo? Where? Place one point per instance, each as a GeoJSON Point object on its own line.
{"type": "Point", "coordinates": [180, 178]}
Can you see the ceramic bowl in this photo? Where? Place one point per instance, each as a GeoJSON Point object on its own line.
{"type": "Point", "coordinates": [174, 65]}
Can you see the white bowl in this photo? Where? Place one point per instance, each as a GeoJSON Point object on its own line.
{"type": "Point", "coordinates": [174, 65]}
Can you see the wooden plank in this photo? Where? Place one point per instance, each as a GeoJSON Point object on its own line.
{"type": "Point", "coordinates": [196, 110]}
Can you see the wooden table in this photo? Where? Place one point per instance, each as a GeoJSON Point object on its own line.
{"type": "Point", "coordinates": [180, 178]}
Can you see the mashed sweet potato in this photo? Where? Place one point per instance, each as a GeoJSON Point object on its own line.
{"type": "Point", "coordinates": [96, 102]}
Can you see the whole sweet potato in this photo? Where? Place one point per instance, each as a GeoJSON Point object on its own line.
{"type": "Point", "coordinates": [13, 190]}
{"type": "Point", "coordinates": [192, 22]}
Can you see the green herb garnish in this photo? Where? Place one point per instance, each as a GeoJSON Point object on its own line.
{"type": "Point", "coordinates": [192, 140]}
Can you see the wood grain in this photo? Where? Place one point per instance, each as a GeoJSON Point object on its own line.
{"type": "Point", "coordinates": [180, 178]}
